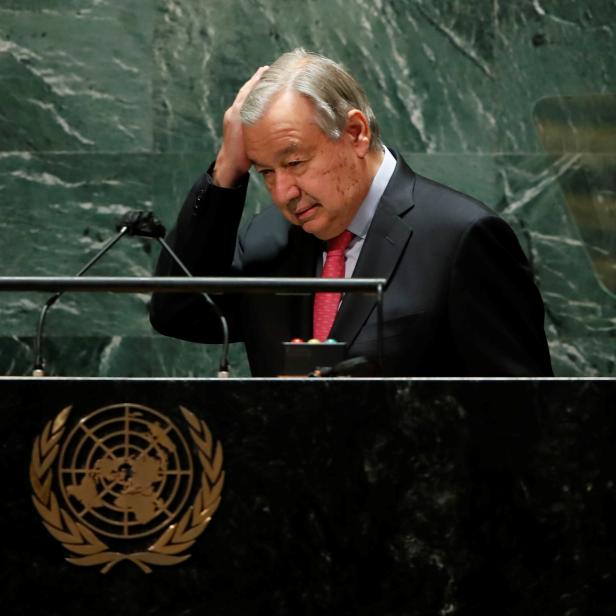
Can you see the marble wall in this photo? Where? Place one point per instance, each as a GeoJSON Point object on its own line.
{"type": "Point", "coordinates": [107, 106]}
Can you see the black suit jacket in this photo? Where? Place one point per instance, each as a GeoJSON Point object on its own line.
{"type": "Point", "coordinates": [460, 298]}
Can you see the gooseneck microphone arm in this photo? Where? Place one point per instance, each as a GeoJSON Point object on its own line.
{"type": "Point", "coordinates": [142, 224]}
{"type": "Point", "coordinates": [39, 362]}
{"type": "Point", "coordinates": [223, 368]}
{"type": "Point", "coordinates": [146, 225]}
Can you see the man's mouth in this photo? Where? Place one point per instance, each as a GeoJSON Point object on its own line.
{"type": "Point", "coordinates": [303, 214]}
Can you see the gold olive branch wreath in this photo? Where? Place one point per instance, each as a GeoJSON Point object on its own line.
{"type": "Point", "coordinates": [84, 544]}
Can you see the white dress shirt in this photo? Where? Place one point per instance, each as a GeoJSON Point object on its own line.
{"type": "Point", "coordinates": [361, 222]}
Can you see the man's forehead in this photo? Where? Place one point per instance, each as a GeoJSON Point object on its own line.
{"type": "Point", "coordinates": [290, 148]}
{"type": "Point", "coordinates": [293, 147]}
{"type": "Point", "coordinates": [287, 127]}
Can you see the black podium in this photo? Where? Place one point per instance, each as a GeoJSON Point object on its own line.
{"type": "Point", "coordinates": [339, 496]}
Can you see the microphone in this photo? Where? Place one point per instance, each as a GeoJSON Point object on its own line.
{"type": "Point", "coordinates": [145, 224]}
{"type": "Point", "coordinates": [39, 361]}
{"type": "Point", "coordinates": [140, 224]}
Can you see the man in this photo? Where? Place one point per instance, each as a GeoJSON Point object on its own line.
{"type": "Point", "coordinates": [460, 298]}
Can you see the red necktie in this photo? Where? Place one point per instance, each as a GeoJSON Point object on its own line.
{"type": "Point", "coordinates": [326, 304]}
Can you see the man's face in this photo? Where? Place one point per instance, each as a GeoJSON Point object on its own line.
{"type": "Point", "coordinates": [315, 182]}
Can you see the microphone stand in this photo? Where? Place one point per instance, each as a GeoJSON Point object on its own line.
{"type": "Point", "coordinates": [223, 368]}
{"type": "Point", "coordinates": [143, 224]}
{"type": "Point", "coordinates": [39, 362]}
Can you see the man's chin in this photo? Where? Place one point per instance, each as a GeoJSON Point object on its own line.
{"type": "Point", "coordinates": [319, 232]}
{"type": "Point", "coordinates": [317, 226]}
{"type": "Point", "coordinates": [313, 227]}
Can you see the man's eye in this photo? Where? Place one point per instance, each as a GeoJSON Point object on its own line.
{"type": "Point", "coordinates": [265, 172]}
{"type": "Point", "coordinates": [294, 163]}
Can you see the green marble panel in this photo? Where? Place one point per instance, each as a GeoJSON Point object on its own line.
{"type": "Point", "coordinates": [62, 209]}
{"type": "Point", "coordinates": [95, 8]}
{"type": "Point", "coordinates": [76, 78]}
{"type": "Point", "coordinates": [123, 102]}
{"type": "Point", "coordinates": [118, 356]}
{"type": "Point", "coordinates": [60, 215]}
{"type": "Point", "coordinates": [586, 125]}
{"type": "Point", "coordinates": [473, 174]}
{"type": "Point", "coordinates": [580, 311]}
{"type": "Point", "coordinates": [410, 56]}
{"type": "Point", "coordinates": [589, 188]}
{"type": "Point", "coordinates": [548, 48]}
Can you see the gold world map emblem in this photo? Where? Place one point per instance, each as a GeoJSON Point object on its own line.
{"type": "Point", "coordinates": [126, 473]}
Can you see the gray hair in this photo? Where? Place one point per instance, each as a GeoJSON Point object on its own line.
{"type": "Point", "coordinates": [333, 91]}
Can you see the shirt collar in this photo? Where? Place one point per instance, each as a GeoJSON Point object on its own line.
{"type": "Point", "coordinates": [360, 224]}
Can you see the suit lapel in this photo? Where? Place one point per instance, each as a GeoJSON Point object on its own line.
{"type": "Point", "coordinates": [385, 243]}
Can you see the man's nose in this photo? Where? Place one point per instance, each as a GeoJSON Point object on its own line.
{"type": "Point", "coordinates": [285, 187]}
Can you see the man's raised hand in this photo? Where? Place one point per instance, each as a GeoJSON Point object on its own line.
{"type": "Point", "coordinates": [232, 162]}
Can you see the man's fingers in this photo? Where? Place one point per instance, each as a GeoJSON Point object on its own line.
{"type": "Point", "coordinates": [232, 161]}
{"type": "Point", "coordinates": [257, 75]}
{"type": "Point", "coordinates": [249, 85]}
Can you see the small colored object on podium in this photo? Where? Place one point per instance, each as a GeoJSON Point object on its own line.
{"type": "Point", "coordinates": [304, 358]}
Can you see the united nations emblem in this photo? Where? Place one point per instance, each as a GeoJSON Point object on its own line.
{"type": "Point", "coordinates": [126, 475]}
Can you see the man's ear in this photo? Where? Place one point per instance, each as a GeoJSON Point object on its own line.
{"type": "Point", "coordinates": [357, 131]}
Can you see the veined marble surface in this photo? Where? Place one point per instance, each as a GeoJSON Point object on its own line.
{"type": "Point", "coordinates": [106, 107]}
{"type": "Point", "coordinates": [341, 497]}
